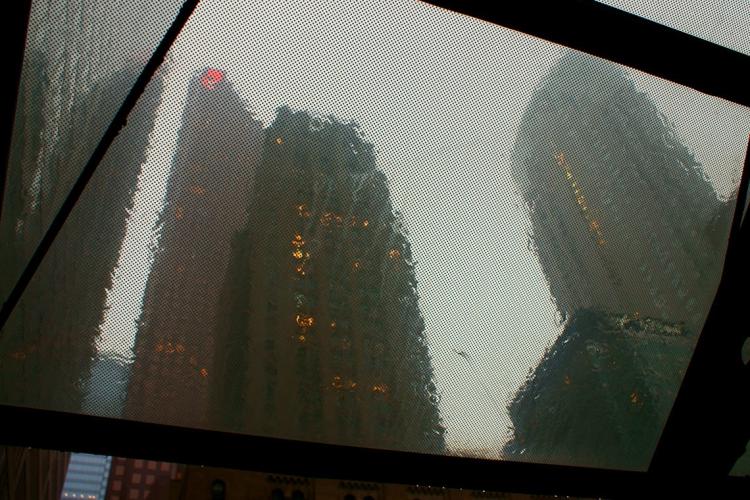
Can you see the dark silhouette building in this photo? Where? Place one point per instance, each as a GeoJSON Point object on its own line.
{"type": "Point", "coordinates": [601, 394]}
{"type": "Point", "coordinates": [322, 337]}
{"type": "Point", "coordinates": [213, 171]}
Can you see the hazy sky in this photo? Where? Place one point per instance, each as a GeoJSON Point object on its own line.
{"type": "Point", "coordinates": [440, 95]}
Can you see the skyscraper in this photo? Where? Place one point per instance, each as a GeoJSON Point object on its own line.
{"type": "Point", "coordinates": [601, 394]}
{"type": "Point", "coordinates": [213, 171]}
{"type": "Point", "coordinates": [623, 217]}
{"type": "Point", "coordinates": [322, 337]}
{"type": "Point", "coordinates": [48, 343]}
{"type": "Point", "coordinates": [631, 236]}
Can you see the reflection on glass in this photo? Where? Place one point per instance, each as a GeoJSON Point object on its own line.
{"type": "Point", "coordinates": [374, 234]}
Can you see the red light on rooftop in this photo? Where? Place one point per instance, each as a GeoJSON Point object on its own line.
{"type": "Point", "coordinates": [211, 78]}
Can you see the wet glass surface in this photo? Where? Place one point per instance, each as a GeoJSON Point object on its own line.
{"type": "Point", "coordinates": [81, 59]}
{"type": "Point", "coordinates": [389, 226]}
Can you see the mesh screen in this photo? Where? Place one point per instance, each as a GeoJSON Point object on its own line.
{"type": "Point", "coordinates": [393, 226]}
{"type": "Point", "coordinates": [81, 59]}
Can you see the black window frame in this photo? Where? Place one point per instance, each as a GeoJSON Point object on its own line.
{"type": "Point", "coordinates": [707, 427]}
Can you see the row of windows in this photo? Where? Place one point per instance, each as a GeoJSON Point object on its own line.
{"type": "Point", "coordinates": [138, 464]}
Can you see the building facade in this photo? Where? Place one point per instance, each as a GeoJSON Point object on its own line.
{"type": "Point", "coordinates": [48, 343]}
{"type": "Point", "coordinates": [322, 337]}
{"type": "Point", "coordinates": [87, 477]}
{"type": "Point", "coordinates": [213, 170]}
{"type": "Point", "coordinates": [623, 218]}
{"type": "Point", "coordinates": [136, 479]}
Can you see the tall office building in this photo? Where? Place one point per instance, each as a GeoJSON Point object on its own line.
{"type": "Point", "coordinates": [623, 217]}
{"type": "Point", "coordinates": [212, 173]}
{"type": "Point", "coordinates": [631, 238]}
{"type": "Point", "coordinates": [321, 336]}
{"type": "Point", "coordinates": [87, 477]}
{"type": "Point", "coordinates": [48, 343]}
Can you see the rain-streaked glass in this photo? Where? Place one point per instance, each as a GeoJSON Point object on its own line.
{"type": "Point", "coordinates": [393, 226]}
{"type": "Point", "coordinates": [80, 61]}
{"type": "Point", "coordinates": [723, 22]}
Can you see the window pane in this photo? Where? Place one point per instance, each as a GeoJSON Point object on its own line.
{"type": "Point", "coordinates": [723, 22]}
{"type": "Point", "coordinates": [394, 227]}
{"type": "Point", "coordinates": [81, 59]}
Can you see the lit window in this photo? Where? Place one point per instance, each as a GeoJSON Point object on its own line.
{"type": "Point", "coordinates": [136, 479]}
{"type": "Point", "coordinates": [305, 320]}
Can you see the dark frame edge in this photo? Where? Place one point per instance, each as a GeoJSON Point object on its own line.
{"type": "Point", "coordinates": [621, 37]}
{"type": "Point", "coordinates": [17, 24]}
{"type": "Point", "coordinates": [100, 435]}
{"type": "Point", "coordinates": [47, 429]}
{"type": "Point", "coordinates": [716, 379]}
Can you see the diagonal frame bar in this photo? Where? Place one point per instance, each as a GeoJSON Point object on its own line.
{"type": "Point", "coordinates": [118, 122]}
{"type": "Point", "coordinates": [624, 38]}
{"type": "Point", "coordinates": [582, 25]}
{"type": "Point", "coordinates": [17, 19]}
{"type": "Point", "coordinates": [709, 423]}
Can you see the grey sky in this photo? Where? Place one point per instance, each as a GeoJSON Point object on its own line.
{"type": "Point", "coordinates": [440, 95]}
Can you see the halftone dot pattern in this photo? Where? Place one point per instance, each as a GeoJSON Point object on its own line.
{"type": "Point", "coordinates": [375, 225]}
{"type": "Point", "coordinates": [81, 59]}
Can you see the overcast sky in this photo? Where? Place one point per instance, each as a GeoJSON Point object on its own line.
{"type": "Point", "coordinates": [440, 95]}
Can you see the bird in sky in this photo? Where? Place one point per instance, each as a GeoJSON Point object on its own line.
{"type": "Point", "coordinates": [462, 354]}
